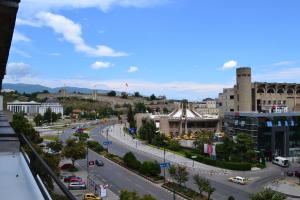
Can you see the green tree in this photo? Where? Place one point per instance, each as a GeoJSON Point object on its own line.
{"type": "Point", "coordinates": [200, 182]}
{"type": "Point", "coordinates": [179, 174]}
{"type": "Point", "coordinates": [152, 97]}
{"type": "Point", "coordinates": [159, 140]}
{"type": "Point", "coordinates": [137, 94]}
{"type": "Point", "coordinates": [74, 150]}
{"type": "Point", "coordinates": [148, 130]}
{"type": "Point", "coordinates": [68, 110]}
{"type": "Point", "coordinates": [205, 137]}
{"type": "Point", "coordinates": [150, 168]}
{"type": "Point", "coordinates": [126, 195]}
{"type": "Point", "coordinates": [38, 120]}
{"type": "Point", "coordinates": [82, 136]}
{"type": "Point", "coordinates": [48, 116]}
{"type": "Point", "coordinates": [243, 148]}
{"type": "Point", "coordinates": [165, 110]}
{"type": "Point", "coordinates": [112, 93]}
{"type": "Point", "coordinates": [209, 189]}
{"type": "Point", "coordinates": [131, 161]}
{"type": "Point", "coordinates": [21, 125]}
{"type": "Point", "coordinates": [55, 146]}
{"type": "Point", "coordinates": [268, 194]}
{"type": "Point", "coordinates": [130, 117]}
{"type": "Point", "coordinates": [124, 95]}
{"type": "Point", "coordinates": [140, 107]}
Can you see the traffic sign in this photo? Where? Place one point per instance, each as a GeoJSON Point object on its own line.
{"type": "Point", "coordinates": [107, 142]}
{"type": "Point", "coordinates": [164, 165]}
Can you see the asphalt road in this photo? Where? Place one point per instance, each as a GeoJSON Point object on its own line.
{"type": "Point", "coordinates": [223, 191]}
{"type": "Point", "coordinates": [120, 178]}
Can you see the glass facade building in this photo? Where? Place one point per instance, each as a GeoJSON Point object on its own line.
{"type": "Point", "coordinates": [274, 134]}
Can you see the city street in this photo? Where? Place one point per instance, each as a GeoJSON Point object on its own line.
{"type": "Point", "coordinates": [114, 174]}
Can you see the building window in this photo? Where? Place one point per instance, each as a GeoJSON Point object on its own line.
{"type": "Point", "coordinates": [231, 110]}
{"type": "Point", "coordinates": [290, 91]}
{"type": "Point", "coordinates": [271, 90]}
{"type": "Point", "coordinates": [260, 90]}
{"type": "Point", "coordinates": [269, 124]}
{"type": "Point", "coordinates": [231, 97]}
{"type": "Point", "coordinates": [284, 102]}
{"type": "Point", "coordinates": [269, 102]}
{"type": "Point", "coordinates": [274, 102]}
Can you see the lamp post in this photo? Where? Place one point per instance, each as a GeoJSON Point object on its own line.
{"type": "Point", "coordinates": [107, 139]}
{"type": "Point", "coordinates": [165, 143]}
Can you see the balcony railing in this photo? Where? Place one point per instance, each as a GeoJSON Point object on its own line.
{"type": "Point", "coordinates": [36, 160]}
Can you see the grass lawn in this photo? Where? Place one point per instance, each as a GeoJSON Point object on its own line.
{"type": "Point", "coordinates": [50, 137]}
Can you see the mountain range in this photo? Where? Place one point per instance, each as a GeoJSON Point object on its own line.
{"type": "Point", "coordinates": [31, 88]}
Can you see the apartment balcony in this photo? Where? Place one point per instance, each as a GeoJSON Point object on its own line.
{"type": "Point", "coordinates": [19, 177]}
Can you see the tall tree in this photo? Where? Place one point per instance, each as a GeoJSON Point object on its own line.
{"type": "Point", "coordinates": [205, 137]}
{"type": "Point", "coordinates": [209, 189]}
{"type": "Point", "coordinates": [179, 174]}
{"type": "Point", "coordinates": [140, 107]}
{"type": "Point", "coordinates": [55, 146]}
{"type": "Point", "coordinates": [152, 97]}
{"type": "Point", "coordinates": [148, 130]}
{"type": "Point", "coordinates": [137, 94]}
{"type": "Point", "coordinates": [112, 93]}
{"type": "Point", "coordinates": [74, 150]}
{"type": "Point", "coordinates": [200, 182]}
{"type": "Point", "coordinates": [268, 194]}
{"type": "Point", "coordinates": [38, 120]}
{"type": "Point", "coordinates": [124, 95]}
{"type": "Point", "coordinates": [130, 117]}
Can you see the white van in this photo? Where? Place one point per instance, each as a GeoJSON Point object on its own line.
{"type": "Point", "coordinates": [238, 180]}
{"type": "Point", "coordinates": [281, 161]}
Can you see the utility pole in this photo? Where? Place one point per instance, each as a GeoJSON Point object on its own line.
{"type": "Point", "coordinates": [107, 139]}
{"type": "Point", "coordinates": [164, 162]}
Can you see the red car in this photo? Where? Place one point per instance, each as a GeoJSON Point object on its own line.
{"type": "Point", "coordinates": [68, 178]}
{"type": "Point", "coordinates": [66, 166]}
{"type": "Point", "coordinates": [75, 179]}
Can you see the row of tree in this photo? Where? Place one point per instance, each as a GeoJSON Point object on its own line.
{"type": "Point", "coordinates": [48, 117]}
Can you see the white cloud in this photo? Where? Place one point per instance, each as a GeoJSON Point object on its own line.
{"type": "Point", "coordinates": [55, 54]}
{"type": "Point", "coordinates": [229, 64]}
{"type": "Point", "coordinates": [31, 6]}
{"type": "Point", "coordinates": [17, 70]}
{"type": "Point", "coordinates": [19, 37]}
{"type": "Point", "coordinates": [72, 33]}
{"type": "Point", "coordinates": [26, 22]}
{"type": "Point", "coordinates": [133, 69]}
{"type": "Point", "coordinates": [20, 52]}
{"type": "Point", "coordinates": [283, 75]}
{"type": "Point", "coordinates": [281, 63]}
{"type": "Point", "coordinates": [101, 65]}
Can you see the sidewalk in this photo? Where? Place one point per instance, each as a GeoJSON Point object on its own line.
{"type": "Point", "coordinates": [117, 134]}
{"type": "Point", "coordinates": [288, 186]}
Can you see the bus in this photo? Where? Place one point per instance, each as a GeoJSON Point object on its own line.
{"type": "Point", "coordinates": [281, 161]}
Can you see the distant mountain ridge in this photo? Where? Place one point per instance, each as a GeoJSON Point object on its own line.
{"type": "Point", "coordinates": [31, 88]}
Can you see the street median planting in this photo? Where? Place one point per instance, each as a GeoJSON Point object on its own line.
{"type": "Point", "coordinates": [183, 191]}
{"type": "Point", "coordinates": [147, 169]}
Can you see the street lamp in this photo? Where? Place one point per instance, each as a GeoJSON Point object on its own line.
{"type": "Point", "coordinates": [164, 145]}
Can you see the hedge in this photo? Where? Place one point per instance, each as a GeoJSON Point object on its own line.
{"type": "Point", "coordinates": [223, 164]}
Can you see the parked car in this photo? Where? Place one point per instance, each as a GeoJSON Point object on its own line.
{"type": "Point", "coordinates": [66, 166]}
{"type": "Point", "coordinates": [68, 178]}
{"type": "Point", "coordinates": [91, 196]}
{"type": "Point", "coordinates": [75, 179]}
{"type": "Point", "coordinates": [290, 173]}
{"type": "Point", "coordinates": [238, 180]}
{"type": "Point", "coordinates": [77, 186]}
{"type": "Point", "coordinates": [281, 161]}
{"type": "Point", "coordinates": [99, 163]}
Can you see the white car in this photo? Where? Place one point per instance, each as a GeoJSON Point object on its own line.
{"type": "Point", "coordinates": [77, 186]}
{"type": "Point", "coordinates": [238, 180]}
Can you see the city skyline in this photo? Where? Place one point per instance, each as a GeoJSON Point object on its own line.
{"type": "Point", "coordinates": [173, 48]}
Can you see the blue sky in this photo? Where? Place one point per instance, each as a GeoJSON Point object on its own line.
{"type": "Point", "coordinates": [179, 48]}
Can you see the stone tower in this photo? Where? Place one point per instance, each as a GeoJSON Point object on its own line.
{"type": "Point", "coordinates": [243, 97]}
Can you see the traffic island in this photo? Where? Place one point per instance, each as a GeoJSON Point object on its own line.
{"type": "Point", "coordinates": [118, 160]}
{"type": "Point", "coordinates": [183, 191]}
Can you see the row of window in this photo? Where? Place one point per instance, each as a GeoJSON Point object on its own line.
{"type": "Point", "coordinates": [274, 102]}
{"type": "Point", "coordinates": [279, 91]}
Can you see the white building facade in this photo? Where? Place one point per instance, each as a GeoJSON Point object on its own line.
{"type": "Point", "coordinates": [33, 108]}
{"type": "Point", "coordinates": [55, 107]}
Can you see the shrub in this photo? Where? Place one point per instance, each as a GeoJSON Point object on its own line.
{"type": "Point", "coordinates": [150, 168]}
{"type": "Point", "coordinates": [95, 146]}
{"type": "Point", "coordinates": [174, 145]}
{"type": "Point", "coordinates": [131, 161]}
{"type": "Point", "coordinates": [223, 164]}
